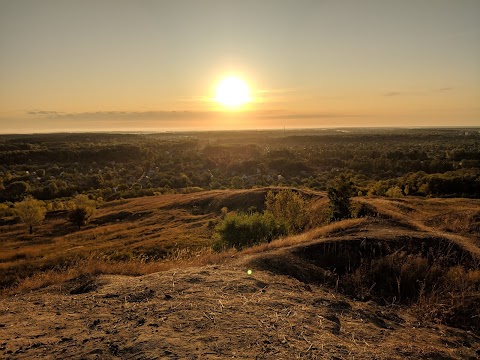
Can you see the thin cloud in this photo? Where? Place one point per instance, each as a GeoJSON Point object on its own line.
{"type": "Point", "coordinates": [392, 93]}
{"type": "Point", "coordinates": [417, 93]}
{"type": "Point", "coordinates": [44, 113]}
{"type": "Point", "coordinates": [312, 115]}
{"type": "Point", "coordinates": [168, 116]}
{"type": "Point", "coordinates": [123, 115]}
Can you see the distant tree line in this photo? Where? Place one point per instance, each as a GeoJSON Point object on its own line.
{"type": "Point", "coordinates": [112, 166]}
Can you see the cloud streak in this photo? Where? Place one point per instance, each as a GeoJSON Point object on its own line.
{"type": "Point", "coordinates": [418, 93]}
{"type": "Point", "coordinates": [165, 116]}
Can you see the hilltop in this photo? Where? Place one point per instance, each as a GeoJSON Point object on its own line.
{"type": "Point", "coordinates": [306, 296]}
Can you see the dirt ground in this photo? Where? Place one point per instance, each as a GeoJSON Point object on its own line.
{"type": "Point", "coordinates": [215, 312]}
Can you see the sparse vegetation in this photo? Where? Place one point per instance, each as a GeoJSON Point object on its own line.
{"type": "Point", "coordinates": [437, 291]}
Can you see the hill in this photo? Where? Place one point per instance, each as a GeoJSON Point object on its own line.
{"type": "Point", "coordinates": [358, 288]}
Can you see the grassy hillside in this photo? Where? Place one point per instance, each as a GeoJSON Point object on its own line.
{"type": "Point", "coordinates": [148, 234]}
{"type": "Point", "coordinates": [408, 273]}
{"type": "Point", "coordinates": [135, 233]}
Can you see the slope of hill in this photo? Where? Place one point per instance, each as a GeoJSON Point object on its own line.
{"type": "Point", "coordinates": [306, 296]}
{"type": "Point", "coordinates": [216, 312]}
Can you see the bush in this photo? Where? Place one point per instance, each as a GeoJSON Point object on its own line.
{"type": "Point", "coordinates": [243, 230]}
{"type": "Point", "coordinates": [359, 210]}
{"type": "Point", "coordinates": [5, 211]}
{"type": "Point", "coordinates": [286, 213]}
{"type": "Point", "coordinates": [394, 192]}
{"type": "Point", "coordinates": [339, 194]}
{"type": "Point", "coordinates": [80, 216]}
{"type": "Point", "coordinates": [289, 208]}
{"type": "Point", "coordinates": [81, 211]}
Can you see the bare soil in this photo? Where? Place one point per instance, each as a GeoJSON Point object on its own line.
{"type": "Point", "coordinates": [215, 312]}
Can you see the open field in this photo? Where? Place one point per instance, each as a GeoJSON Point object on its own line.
{"type": "Point", "coordinates": [69, 293]}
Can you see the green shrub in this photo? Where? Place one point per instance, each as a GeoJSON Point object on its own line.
{"type": "Point", "coordinates": [286, 213]}
{"type": "Point", "coordinates": [243, 230]}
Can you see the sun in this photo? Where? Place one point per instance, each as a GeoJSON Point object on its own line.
{"type": "Point", "coordinates": [232, 92]}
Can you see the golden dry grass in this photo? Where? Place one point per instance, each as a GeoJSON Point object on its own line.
{"type": "Point", "coordinates": [150, 234]}
{"type": "Point", "coordinates": [79, 281]}
{"type": "Point", "coordinates": [455, 219]}
{"type": "Point", "coordinates": [136, 236]}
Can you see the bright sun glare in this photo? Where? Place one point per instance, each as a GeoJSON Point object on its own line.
{"type": "Point", "coordinates": [232, 92]}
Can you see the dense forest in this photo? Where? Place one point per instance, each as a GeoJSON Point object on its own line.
{"type": "Point", "coordinates": [391, 162]}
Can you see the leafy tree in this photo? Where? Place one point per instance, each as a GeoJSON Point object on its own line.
{"type": "Point", "coordinates": [31, 212]}
{"type": "Point", "coordinates": [288, 207]}
{"type": "Point", "coordinates": [82, 210]}
{"type": "Point", "coordinates": [237, 182]}
{"type": "Point", "coordinates": [16, 190]}
{"type": "Point", "coordinates": [339, 194]}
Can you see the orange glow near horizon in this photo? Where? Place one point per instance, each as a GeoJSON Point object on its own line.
{"type": "Point", "coordinates": [233, 65]}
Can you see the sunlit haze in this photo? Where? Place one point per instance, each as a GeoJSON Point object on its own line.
{"type": "Point", "coordinates": [116, 65]}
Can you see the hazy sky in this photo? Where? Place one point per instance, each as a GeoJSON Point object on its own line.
{"type": "Point", "coordinates": [153, 65]}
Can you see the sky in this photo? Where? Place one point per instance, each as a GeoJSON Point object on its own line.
{"type": "Point", "coordinates": [144, 65]}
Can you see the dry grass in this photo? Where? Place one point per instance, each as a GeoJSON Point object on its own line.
{"type": "Point", "coordinates": [306, 237]}
{"type": "Point", "coordinates": [145, 235]}
{"type": "Point", "coordinates": [134, 237]}
{"type": "Point", "coordinates": [125, 237]}
{"type": "Point", "coordinates": [431, 275]}
{"type": "Point", "coordinates": [454, 219]}
{"type": "Point", "coordinates": [94, 266]}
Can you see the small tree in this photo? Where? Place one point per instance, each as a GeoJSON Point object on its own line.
{"type": "Point", "coordinates": [31, 212]}
{"type": "Point", "coordinates": [82, 210]}
{"type": "Point", "coordinates": [339, 194]}
{"type": "Point", "coordinates": [288, 207]}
